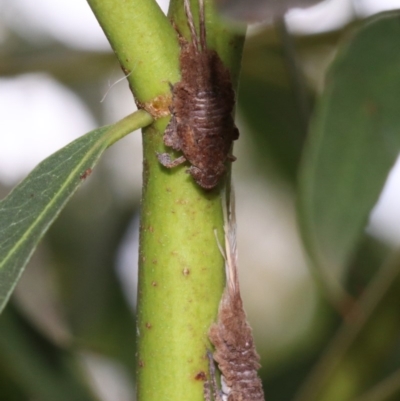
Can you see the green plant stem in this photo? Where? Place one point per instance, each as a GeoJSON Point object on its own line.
{"type": "Point", "coordinates": [144, 42]}
{"type": "Point", "coordinates": [181, 270]}
{"type": "Point", "coordinates": [180, 278]}
{"type": "Point", "coordinates": [131, 122]}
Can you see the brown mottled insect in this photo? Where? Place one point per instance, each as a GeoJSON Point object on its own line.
{"type": "Point", "coordinates": [232, 337]}
{"type": "Point", "coordinates": [202, 125]}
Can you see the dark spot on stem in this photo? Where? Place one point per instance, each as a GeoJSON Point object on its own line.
{"type": "Point", "coordinates": [201, 376]}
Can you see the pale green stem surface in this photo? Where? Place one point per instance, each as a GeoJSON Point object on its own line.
{"type": "Point", "coordinates": [181, 274]}
{"type": "Point", "coordinates": [180, 281]}
{"type": "Point", "coordinates": [144, 41]}
{"type": "Point", "coordinates": [181, 270]}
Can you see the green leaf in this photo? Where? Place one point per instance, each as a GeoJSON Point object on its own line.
{"type": "Point", "coordinates": [32, 367]}
{"type": "Point", "coordinates": [354, 142]}
{"type": "Point", "coordinates": [387, 390]}
{"type": "Point", "coordinates": [364, 349]}
{"type": "Point", "coordinates": [28, 211]}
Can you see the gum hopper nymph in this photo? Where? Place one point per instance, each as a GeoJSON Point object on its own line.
{"type": "Point", "coordinates": [232, 336]}
{"type": "Point", "coordinates": [202, 125]}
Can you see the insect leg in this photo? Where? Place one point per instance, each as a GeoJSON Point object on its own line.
{"type": "Point", "coordinates": [171, 137]}
{"type": "Point", "coordinates": [213, 378]}
{"type": "Point", "coordinates": [165, 160]}
{"type": "Point", "coordinates": [235, 133]}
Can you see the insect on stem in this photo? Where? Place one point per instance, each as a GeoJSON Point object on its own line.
{"type": "Point", "coordinates": [232, 336]}
{"type": "Point", "coordinates": [202, 125]}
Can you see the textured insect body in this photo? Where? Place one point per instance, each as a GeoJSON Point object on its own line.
{"type": "Point", "coordinates": [232, 336]}
{"type": "Point", "coordinates": [201, 125]}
